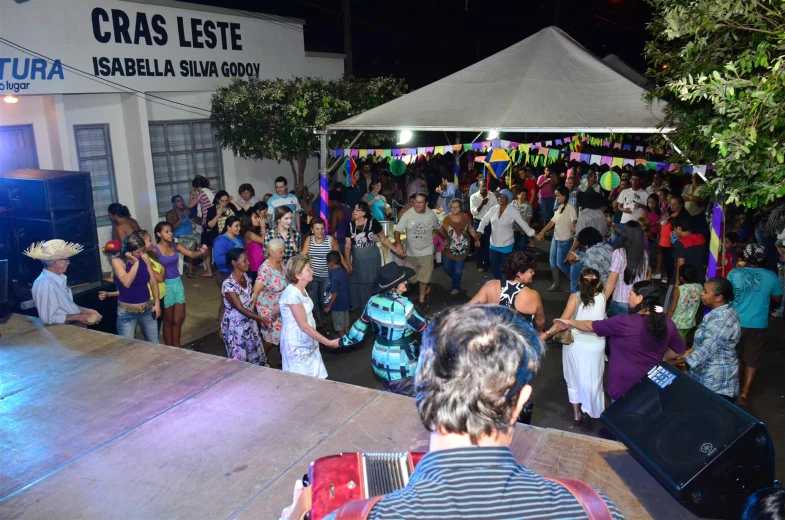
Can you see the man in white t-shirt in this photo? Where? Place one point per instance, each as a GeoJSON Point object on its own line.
{"type": "Point", "coordinates": [282, 197]}
{"type": "Point", "coordinates": [632, 201]}
{"type": "Point", "coordinates": [479, 204]}
{"type": "Point", "coordinates": [419, 225]}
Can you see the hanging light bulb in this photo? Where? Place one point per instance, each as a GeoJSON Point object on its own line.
{"type": "Point", "coordinates": [404, 137]}
{"type": "Point", "coordinates": [492, 134]}
{"type": "Point", "coordinates": [11, 99]}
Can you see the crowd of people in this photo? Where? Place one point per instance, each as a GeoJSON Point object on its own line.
{"type": "Point", "coordinates": [633, 259]}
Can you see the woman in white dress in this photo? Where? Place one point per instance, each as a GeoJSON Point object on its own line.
{"type": "Point", "coordinates": [584, 360]}
{"type": "Point", "coordinates": [299, 337]}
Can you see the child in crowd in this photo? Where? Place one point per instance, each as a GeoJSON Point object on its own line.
{"type": "Point", "coordinates": [685, 300]}
{"type": "Point", "coordinates": [266, 197]}
{"type": "Point", "coordinates": [729, 254]}
{"type": "Point", "coordinates": [653, 215]}
{"type": "Point", "coordinates": [338, 297]}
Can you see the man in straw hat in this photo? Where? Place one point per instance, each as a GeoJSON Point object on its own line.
{"type": "Point", "coordinates": [51, 294]}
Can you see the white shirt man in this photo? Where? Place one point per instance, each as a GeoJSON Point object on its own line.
{"type": "Point", "coordinates": [476, 206]}
{"type": "Point", "coordinates": [282, 197]}
{"type": "Point", "coordinates": [51, 294]}
{"type": "Point", "coordinates": [632, 200]}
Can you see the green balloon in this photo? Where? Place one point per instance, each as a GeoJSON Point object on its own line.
{"type": "Point", "coordinates": [398, 167]}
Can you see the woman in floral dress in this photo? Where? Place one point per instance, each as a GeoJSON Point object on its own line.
{"type": "Point", "coordinates": [270, 283]}
{"type": "Point", "coordinates": [239, 323]}
{"type": "Point", "coordinates": [456, 228]}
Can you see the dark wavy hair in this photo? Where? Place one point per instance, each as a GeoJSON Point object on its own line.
{"type": "Point", "coordinates": [518, 262]}
{"type": "Point", "coordinates": [228, 223]}
{"type": "Point", "coordinates": [589, 237]}
{"type": "Point", "coordinates": [246, 187]}
{"type": "Point", "coordinates": [200, 181]}
{"type": "Point", "coordinates": [219, 195]}
{"type": "Point", "coordinates": [655, 321]}
{"type": "Point", "coordinates": [564, 192]}
{"type": "Point", "coordinates": [132, 242]}
{"type": "Point", "coordinates": [588, 287]}
{"type": "Point", "coordinates": [365, 208]}
{"type": "Point", "coordinates": [723, 287]}
{"type": "Point", "coordinates": [246, 224]}
{"type": "Point", "coordinates": [118, 210]}
{"type": "Point", "coordinates": [233, 255]}
{"type": "Point", "coordinates": [160, 227]}
{"type": "Point", "coordinates": [474, 361]}
{"type": "Point", "coordinates": [632, 244]}
{"type": "Point", "coordinates": [765, 504]}
{"type": "Point", "coordinates": [656, 198]}
{"type": "Point", "coordinates": [260, 206]}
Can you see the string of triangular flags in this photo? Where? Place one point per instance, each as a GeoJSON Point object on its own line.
{"type": "Point", "coordinates": [570, 143]}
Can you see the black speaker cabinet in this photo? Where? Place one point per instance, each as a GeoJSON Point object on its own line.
{"type": "Point", "coordinates": [709, 454]}
{"type": "Point", "coordinates": [39, 205]}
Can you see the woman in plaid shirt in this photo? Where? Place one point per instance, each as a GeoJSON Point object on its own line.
{"type": "Point", "coordinates": [712, 358]}
{"type": "Point", "coordinates": [285, 232]}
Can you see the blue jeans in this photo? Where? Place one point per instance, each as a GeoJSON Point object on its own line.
{"type": "Point", "coordinates": [546, 209]}
{"type": "Point", "coordinates": [454, 269]}
{"type": "Point", "coordinates": [575, 271]}
{"type": "Point", "coordinates": [315, 291]}
{"type": "Point", "coordinates": [523, 241]}
{"type": "Point", "coordinates": [497, 261]}
{"type": "Point", "coordinates": [617, 309]}
{"type": "Point", "coordinates": [559, 250]}
{"type": "Point", "coordinates": [482, 253]}
{"type": "Point", "coordinates": [126, 324]}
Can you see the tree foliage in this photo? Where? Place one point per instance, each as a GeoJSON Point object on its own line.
{"type": "Point", "coordinates": [719, 66]}
{"type": "Point", "coordinates": [274, 119]}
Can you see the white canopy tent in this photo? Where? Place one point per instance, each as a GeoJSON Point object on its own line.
{"type": "Point", "coordinates": [545, 83]}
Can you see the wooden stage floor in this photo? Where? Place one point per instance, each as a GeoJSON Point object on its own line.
{"type": "Point", "coordinates": [97, 426]}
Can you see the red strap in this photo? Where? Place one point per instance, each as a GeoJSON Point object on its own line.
{"type": "Point", "coordinates": [357, 509]}
{"type": "Point", "coordinates": [591, 501]}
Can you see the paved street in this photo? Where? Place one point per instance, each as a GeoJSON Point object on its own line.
{"type": "Point", "coordinates": [552, 410]}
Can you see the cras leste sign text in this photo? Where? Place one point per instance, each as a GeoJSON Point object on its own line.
{"type": "Point", "coordinates": [115, 25]}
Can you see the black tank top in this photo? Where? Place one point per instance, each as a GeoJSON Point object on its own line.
{"type": "Point", "coordinates": [509, 291]}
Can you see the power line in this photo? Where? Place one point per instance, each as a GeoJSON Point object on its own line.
{"type": "Point", "coordinates": [106, 82]}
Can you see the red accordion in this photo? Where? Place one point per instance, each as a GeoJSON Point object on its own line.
{"type": "Point", "coordinates": [338, 479]}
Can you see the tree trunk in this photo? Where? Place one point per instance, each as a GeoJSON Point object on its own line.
{"type": "Point", "coordinates": [294, 175]}
{"type": "Point", "coordinates": [302, 160]}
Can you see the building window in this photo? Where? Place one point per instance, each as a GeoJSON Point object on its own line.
{"type": "Point", "coordinates": [94, 152]}
{"type": "Point", "coordinates": [181, 151]}
{"type": "Point", "coordinates": [17, 148]}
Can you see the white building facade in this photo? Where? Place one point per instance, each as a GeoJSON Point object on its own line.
{"type": "Point", "coordinates": [122, 89]}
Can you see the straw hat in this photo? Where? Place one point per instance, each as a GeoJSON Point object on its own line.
{"type": "Point", "coordinates": [53, 250]}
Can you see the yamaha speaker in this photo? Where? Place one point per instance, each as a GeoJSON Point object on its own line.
{"type": "Point", "coordinates": [709, 454]}
{"type": "Point", "coordinates": [40, 205]}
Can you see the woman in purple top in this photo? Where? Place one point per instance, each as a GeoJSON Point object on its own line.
{"type": "Point", "coordinates": [132, 274]}
{"type": "Point", "coordinates": [638, 341]}
{"type": "Point", "coordinates": [174, 303]}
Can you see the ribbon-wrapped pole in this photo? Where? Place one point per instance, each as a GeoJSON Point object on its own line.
{"type": "Point", "coordinates": [324, 189]}
{"type": "Point", "coordinates": [715, 242]}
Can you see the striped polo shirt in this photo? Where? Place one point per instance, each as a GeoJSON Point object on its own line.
{"type": "Point", "coordinates": [317, 256]}
{"type": "Point", "coordinates": [479, 483]}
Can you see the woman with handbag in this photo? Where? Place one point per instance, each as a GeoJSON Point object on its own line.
{"type": "Point", "coordinates": [514, 293]}
{"type": "Point", "coordinates": [583, 353]}
{"type": "Point", "coordinates": [395, 323]}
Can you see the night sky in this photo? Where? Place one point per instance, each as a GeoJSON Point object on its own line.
{"type": "Point", "coordinates": [423, 41]}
